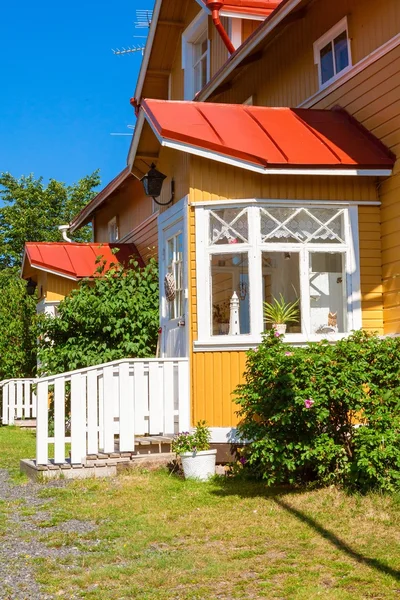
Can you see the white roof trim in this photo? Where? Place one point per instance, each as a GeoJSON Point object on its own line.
{"type": "Point", "coordinates": [60, 274]}
{"type": "Point", "coordinates": [237, 162]}
{"type": "Point", "coordinates": [135, 140]}
{"type": "Point", "coordinates": [238, 15]}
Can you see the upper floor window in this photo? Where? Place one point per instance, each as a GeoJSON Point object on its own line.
{"type": "Point", "coordinates": [113, 234]}
{"type": "Point", "coordinates": [195, 56]}
{"type": "Point", "coordinates": [332, 53]}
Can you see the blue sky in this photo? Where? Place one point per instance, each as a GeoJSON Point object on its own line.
{"type": "Point", "coordinates": [62, 90]}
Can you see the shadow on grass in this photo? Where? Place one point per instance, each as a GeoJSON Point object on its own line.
{"type": "Point", "coordinates": [252, 490]}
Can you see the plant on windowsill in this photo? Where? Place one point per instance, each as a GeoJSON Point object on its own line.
{"type": "Point", "coordinates": [198, 460]}
{"type": "Point", "coordinates": [279, 313]}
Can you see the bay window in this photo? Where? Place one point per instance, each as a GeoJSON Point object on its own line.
{"type": "Point", "coordinates": [248, 255]}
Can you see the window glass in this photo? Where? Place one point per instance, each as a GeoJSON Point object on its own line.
{"type": "Point", "coordinates": [304, 225]}
{"type": "Point", "coordinates": [200, 52]}
{"type": "Point", "coordinates": [327, 287]}
{"type": "Point", "coordinates": [326, 58]}
{"type": "Point", "coordinates": [281, 280]}
{"type": "Point", "coordinates": [341, 52]}
{"type": "Point", "coordinates": [228, 226]}
{"type": "Point", "coordinates": [230, 294]}
{"type": "Point", "coordinates": [175, 268]}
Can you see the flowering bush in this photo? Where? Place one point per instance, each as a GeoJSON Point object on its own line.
{"type": "Point", "coordinates": [194, 442]}
{"type": "Point", "coordinates": [328, 413]}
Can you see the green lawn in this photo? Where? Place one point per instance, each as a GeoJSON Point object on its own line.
{"type": "Point", "coordinates": [161, 538]}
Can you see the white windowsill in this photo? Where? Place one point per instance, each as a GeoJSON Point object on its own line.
{"type": "Point", "coordinates": [224, 343]}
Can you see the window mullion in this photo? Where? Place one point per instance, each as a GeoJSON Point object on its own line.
{"type": "Point", "coordinates": [305, 292]}
{"type": "Point", "coordinates": [255, 272]}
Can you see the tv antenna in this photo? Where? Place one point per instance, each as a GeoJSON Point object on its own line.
{"type": "Point", "coordinates": [132, 127]}
{"type": "Point", "coordinates": [143, 21]}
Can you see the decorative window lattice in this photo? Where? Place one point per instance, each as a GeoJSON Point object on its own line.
{"type": "Point", "coordinates": [302, 225]}
{"type": "Point", "coordinates": [229, 226]}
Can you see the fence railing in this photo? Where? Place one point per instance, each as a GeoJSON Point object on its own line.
{"type": "Point", "coordinates": [102, 408]}
{"type": "Point", "coordinates": [18, 400]}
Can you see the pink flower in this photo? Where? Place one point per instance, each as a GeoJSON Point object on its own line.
{"type": "Point", "coordinates": [233, 241]}
{"type": "Point", "coordinates": [277, 334]}
{"type": "Point", "coordinates": [288, 353]}
{"type": "Point", "coordinates": [308, 403]}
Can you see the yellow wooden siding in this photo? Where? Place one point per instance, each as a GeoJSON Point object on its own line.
{"type": "Point", "coordinates": [248, 26]}
{"type": "Point", "coordinates": [145, 238]}
{"type": "Point", "coordinates": [129, 205]}
{"type": "Point", "coordinates": [373, 98]}
{"type": "Point", "coordinates": [286, 75]}
{"type": "Point", "coordinates": [215, 375]}
{"type": "Point", "coordinates": [219, 52]}
{"type": "Point", "coordinates": [58, 287]}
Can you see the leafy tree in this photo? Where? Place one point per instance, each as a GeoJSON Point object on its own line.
{"type": "Point", "coordinates": [111, 317]}
{"type": "Point", "coordinates": [18, 328]}
{"type": "Point", "coordinates": [32, 212]}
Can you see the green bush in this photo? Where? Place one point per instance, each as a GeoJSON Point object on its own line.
{"type": "Point", "coordinates": [325, 413]}
{"type": "Point", "coordinates": [113, 316]}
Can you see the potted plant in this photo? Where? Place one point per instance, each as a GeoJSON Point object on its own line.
{"type": "Point", "coordinates": [279, 313]}
{"type": "Point", "coordinates": [198, 461]}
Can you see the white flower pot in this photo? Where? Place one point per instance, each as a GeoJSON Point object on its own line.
{"type": "Point", "coordinates": [199, 465]}
{"type": "Point", "coordinates": [280, 328]}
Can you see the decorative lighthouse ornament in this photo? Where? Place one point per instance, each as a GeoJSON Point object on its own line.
{"type": "Point", "coordinates": [234, 323]}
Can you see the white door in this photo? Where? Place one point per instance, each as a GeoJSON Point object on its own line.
{"type": "Point", "coordinates": [173, 282]}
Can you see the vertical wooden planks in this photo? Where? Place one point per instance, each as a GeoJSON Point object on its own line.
{"type": "Point", "coordinates": [108, 409]}
{"type": "Point", "coordinates": [42, 424]}
{"type": "Point", "coordinates": [141, 398]}
{"type": "Point", "coordinates": [4, 418]}
{"type": "Point", "coordinates": [184, 396]}
{"type": "Point", "coordinates": [126, 409]}
{"type": "Point", "coordinates": [156, 420]}
{"type": "Point", "coordinates": [168, 395]}
{"type": "Point", "coordinates": [27, 412]}
{"type": "Point", "coordinates": [92, 413]}
{"type": "Point", "coordinates": [78, 426]}
{"type": "Point", "coordinates": [20, 398]}
{"type": "Point", "coordinates": [59, 420]}
{"type": "Point", "coordinates": [11, 402]}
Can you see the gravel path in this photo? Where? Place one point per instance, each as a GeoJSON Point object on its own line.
{"type": "Point", "coordinates": [20, 544]}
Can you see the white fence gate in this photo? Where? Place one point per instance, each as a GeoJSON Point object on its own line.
{"type": "Point", "coordinates": [18, 400]}
{"type": "Point", "coordinates": [101, 408]}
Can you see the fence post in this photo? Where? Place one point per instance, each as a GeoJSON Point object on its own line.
{"type": "Point", "coordinates": [11, 403]}
{"type": "Point", "coordinates": [168, 393]}
{"type": "Point", "coordinates": [156, 404]}
{"type": "Point", "coordinates": [42, 423]}
{"type": "Point", "coordinates": [78, 425]}
{"type": "Point", "coordinates": [108, 409]}
{"type": "Point", "coordinates": [126, 410]}
{"type": "Point", "coordinates": [4, 418]}
{"type": "Point", "coordinates": [59, 420]}
{"type": "Point", "coordinates": [184, 396]}
{"type": "Point", "coordinates": [92, 413]}
{"type": "Point", "coordinates": [27, 399]}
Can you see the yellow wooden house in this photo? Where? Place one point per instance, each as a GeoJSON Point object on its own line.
{"type": "Point", "coordinates": [277, 128]}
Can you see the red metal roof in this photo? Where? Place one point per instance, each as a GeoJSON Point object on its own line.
{"type": "Point", "coordinates": [264, 139]}
{"type": "Point", "coordinates": [262, 8]}
{"type": "Point", "coordinates": [75, 260]}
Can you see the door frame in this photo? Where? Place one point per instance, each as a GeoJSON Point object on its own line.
{"type": "Point", "coordinates": [166, 220]}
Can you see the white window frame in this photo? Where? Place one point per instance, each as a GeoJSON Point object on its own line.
{"type": "Point", "coordinates": [255, 248]}
{"type": "Point", "coordinates": [323, 41]}
{"type": "Point", "coordinates": [112, 226]}
{"type": "Point", "coordinates": [190, 36]}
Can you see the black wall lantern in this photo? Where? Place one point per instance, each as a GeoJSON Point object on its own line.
{"type": "Point", "coordinates": [152, 184]}
{"type": "Point", "coordinates": [30, 287]}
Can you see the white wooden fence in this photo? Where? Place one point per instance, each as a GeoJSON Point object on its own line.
{"type": "Point", "coordinates": [101, 406]}
{"type": "Point", "coordinates": [18, 400]}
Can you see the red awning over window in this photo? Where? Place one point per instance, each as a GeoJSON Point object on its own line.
{"type": "Point", "coordinates": [270, 139]}
{"type": "Point", "coordinates": [76, 261]}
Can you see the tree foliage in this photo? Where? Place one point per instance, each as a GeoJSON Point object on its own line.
{"type": "Point", "coordinates": [17, 327]}
{"type": "Point", "coordinates": [32, 212]}
{"type": "Point", "coordinates": [114, 316]}
{"type": "Point", "coordinates": [328, 413]}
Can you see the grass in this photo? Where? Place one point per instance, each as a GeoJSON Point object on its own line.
{"type": "Point", "coordinates": [161, 538]}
